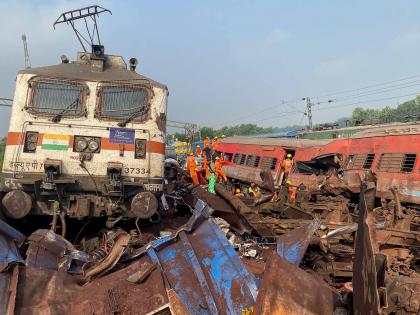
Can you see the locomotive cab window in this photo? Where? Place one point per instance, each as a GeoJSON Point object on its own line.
{"type": "Point", "coordinates": [55, 97]}
{"type": "Point", "coordinates": [123, 102]}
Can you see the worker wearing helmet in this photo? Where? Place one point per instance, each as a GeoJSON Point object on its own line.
{"type": "Point", "coordinates": [216, 143]}
{"type": "Point", "coordinates": [207, 142]}
{"type": "Point", "coordinates": [218, 170]}
{"type": "Point", "coordinates": [197, 150]}
{"type": "Point", "coordinates": [192, 166]}
{"type": "Point", "coordinates": [223, 136]}
{"type": "Point", "coordinates": [292, 191]}
{"type": "Point", "coordinates": [206, 166]}
{"type": "Point", "coordinates": [254, 191]}
{"type": "Point", "coordinates": [287, 165]}
{"type": "Point", "coordinates": [238, 193]}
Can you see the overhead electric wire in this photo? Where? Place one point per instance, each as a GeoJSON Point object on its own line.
{"type": "Point", "coordinates": [261, 111]}
{"type": "Point", "coordinates": [373, 92]}
{"type": "Point", "coordinates": [367, 87]}
{"type": "Point", "coordinates": [366, 101]}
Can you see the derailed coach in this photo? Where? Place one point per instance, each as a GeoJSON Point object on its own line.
{"type": "Point", "coordinates": [88, 135]}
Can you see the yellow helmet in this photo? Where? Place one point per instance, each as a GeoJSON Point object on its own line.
{"type": "Point", "coordinates": [217, 158]}
{"type": "Point", "coordinates": [237, 190]}
{"type": "Point", "coordinates": [198, 146]}
{"type": "Point", "coordinates": [191, 154]}
{"type": "Point", "coordinates": [289, 155]}
{"type": "Point", "coordinates": [215, 137]}
{"type": "Point", "coordinates": [223, 136]}
{"type": "Point", "coordinates": [289, 182]}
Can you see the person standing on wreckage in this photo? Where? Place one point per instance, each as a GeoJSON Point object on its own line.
{"type": "Point", "coordinates": [192, 167]}
{"type": "Point", "coordinates": [287, 165]}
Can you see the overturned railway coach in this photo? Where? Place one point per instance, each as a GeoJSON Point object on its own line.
{"type": "Point", "coordinates": [86, 138]}
{"type": "Point", "coordinates": [391, 152]}
{"type": "Point", "coordinates": [246, 157]}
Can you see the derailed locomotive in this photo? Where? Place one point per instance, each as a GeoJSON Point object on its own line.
{"type": "Point", "coordinates": [86, 139]}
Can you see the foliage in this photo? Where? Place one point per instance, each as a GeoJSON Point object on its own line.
{"type": "Point", "coordinates": [401, 113]}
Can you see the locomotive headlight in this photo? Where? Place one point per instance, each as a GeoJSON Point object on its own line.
{"type": "Point", "coordinates": [31, 139]}
{"type": "Point", "coordinates": [140, 151]}
{"type": "Point", "coordinates": [87, 144]}
{"type": "Point", "coordinates": [93, 145]}
{"type": "Point", "coordinates": [81, 144]}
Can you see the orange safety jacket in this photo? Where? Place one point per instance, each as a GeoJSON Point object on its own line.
{"type": "Point", "coordinates": [287, 164]}
{"type": "Point", "coordinates": [215, 144]}
{"type": "Point", "coordinates": [191, 164]}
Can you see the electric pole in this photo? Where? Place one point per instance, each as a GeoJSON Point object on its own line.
{"type": "Point", "coordinates": [309, 111]}
{"type": "Point", "coordinates": [25, 51]}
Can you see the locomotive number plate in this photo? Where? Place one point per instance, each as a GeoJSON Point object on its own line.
{"type": "Point", "coordinates": [136, 170]}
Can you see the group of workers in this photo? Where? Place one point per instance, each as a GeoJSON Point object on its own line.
{"type": "Point", "coordinates": [209, 154]}
{"type": "Point", "coordinates": [214, 172]}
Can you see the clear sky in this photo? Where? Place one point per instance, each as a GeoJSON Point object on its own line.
{"type": "Point", "coordinates": [229, 62]}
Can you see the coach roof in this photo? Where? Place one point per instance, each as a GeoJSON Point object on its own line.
{"type": "Point", "coordinates": [284, 142]}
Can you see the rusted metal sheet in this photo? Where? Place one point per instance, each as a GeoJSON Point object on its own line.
{"type": "Point", "coordinates": [287, 289]}
{"type": "Point", "coordinates": [205, 271]}
{"type": "Point", "coordinates": [292, 246]}
{"type": "Point", "coordinates": [365, 285]}
{"type": "Point", "coordinates": [10, 240]}
{"type": "Point", "coordinates": [8, 287]}
{"type": "Point", "coordinates": [51, 251]}
{"type": "Point", "coordinates": [223, 210]}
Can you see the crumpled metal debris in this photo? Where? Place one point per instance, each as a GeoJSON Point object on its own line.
{"type": "Point", "coordinates": [49, 250]}
{"type": "Point", "coordinates": [10, 241]}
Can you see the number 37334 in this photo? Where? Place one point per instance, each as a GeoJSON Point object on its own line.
{"type": "Point", "coordinates": [136, 170]}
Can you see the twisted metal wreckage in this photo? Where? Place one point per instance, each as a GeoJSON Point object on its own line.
{"type": "Point", "coordinates": [230, 256]}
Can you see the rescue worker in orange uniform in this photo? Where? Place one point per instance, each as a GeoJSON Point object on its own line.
{"type": "Point", "coordinates": [216, 143]}
{"type": "Point", "coordinates": [207, 142]}
{"type": "Point", "coordinates": [197, 150]}
{"type": "Point", "coordinates": [206, 166]}
{"type": "Point", "coordinates": [218, 169]}
{"type": "Point", "coordinates": [192, 166]}
{"type": "Point", "coordinates": [287, 165]}
{"type": "Point", "coordinates": [292, 191]}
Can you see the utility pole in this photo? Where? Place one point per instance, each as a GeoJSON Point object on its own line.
{"type": "Point", "coordinates": [25, 51]}
{"type": "Point", "coordinates": [309, 111]}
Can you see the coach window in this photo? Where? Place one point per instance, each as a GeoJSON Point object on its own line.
{"type": "Point", "coordinates": [125, 102]}
{"type": "Point", "coordinates": [236, 158]}
{"type": "Point", "coordinates": [360, 161]}
{"type": "Point", "coordinates": [228, 156]}
{"type": "Point", "coordinates": [368, 161]}
{"type": "Point", "coordinates": [257, 161]}
{"type": "Point", "coordinates": [269, 163]}
{"type": "Point", "coordinates": [408, 163]}
{"type": "Point", "coordinates": [397, 162]}
{"type": "Point", "coordinates": [57, 97]}
{"type": "Point", "coordinates": [243, 158]}
{"type": "Point", "coordinates": [350, 161]}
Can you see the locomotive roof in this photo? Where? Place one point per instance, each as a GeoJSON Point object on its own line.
{"type": "Point", "coordinates": [284, 142]}
{"type": "Point", "coordinates": [114, 69]}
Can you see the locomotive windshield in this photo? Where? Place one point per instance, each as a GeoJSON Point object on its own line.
{"type": "Point", "coordinates": [123, 102]}
{"type": "Point", "coordinates": [57, 98]}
